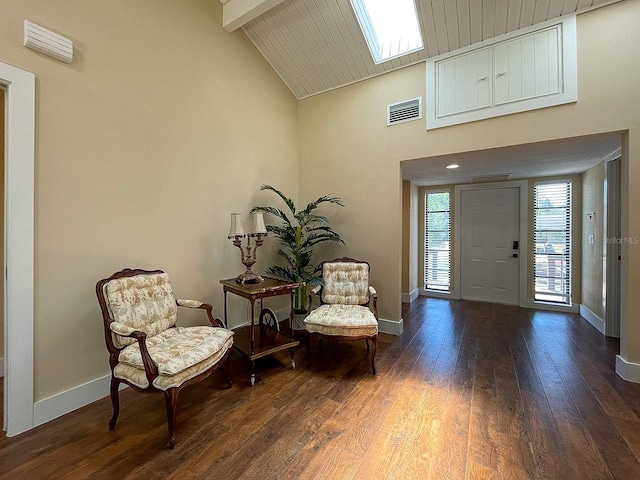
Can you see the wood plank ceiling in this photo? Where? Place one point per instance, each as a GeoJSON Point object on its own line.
{"type": "Point", "coordinates": [317, 45]}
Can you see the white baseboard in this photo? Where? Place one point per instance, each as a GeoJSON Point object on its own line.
{"type": "Point", "coordinates": [391, 327]}
{"type": "Point", "coordinates": [70, 400]}
{"type": "Point", "coordinates": [627, 370]}
{"type": "Point", "coordinates": [550, 307]}
{"type": "Point", "coordinates": [410, 297]}
{"type": "Point", "coordinates": [592, 318]}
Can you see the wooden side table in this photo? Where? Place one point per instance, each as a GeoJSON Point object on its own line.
{"type": "Point", "coordinates": [262, 339]}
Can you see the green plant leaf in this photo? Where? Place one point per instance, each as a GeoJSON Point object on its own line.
{"type": "Point", "coordinates": [297, 236]}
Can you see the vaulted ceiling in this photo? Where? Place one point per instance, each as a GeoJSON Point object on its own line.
{"type": "Point", "coordinates": [317, 45]}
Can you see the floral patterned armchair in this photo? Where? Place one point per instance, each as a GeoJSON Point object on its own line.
{"type": "Point", "coordinates": [147, 351]}
{"type": "Point", "coordinates": [348, 308]}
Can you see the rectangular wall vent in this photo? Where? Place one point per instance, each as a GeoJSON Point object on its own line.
{"type": "Point", "coordinates": [45, 41]}
{"type": "Point", "coordinates": [404, 111]}
{"type": "Point", "coordinates": [498, 177]}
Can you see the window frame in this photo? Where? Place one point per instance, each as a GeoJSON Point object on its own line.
{"type": "Point", "coordinates": [425, 234]}
{"type": "Point", "coordinates": [565, 296]}
{"type": "Point", "coordinates": [370, 34]}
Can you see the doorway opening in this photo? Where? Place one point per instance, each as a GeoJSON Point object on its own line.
{"type": "Point", "coordinates": [19, 132]}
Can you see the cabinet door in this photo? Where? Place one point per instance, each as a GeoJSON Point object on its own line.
{"type": "Point", "coordinates": [464, 83]}
{"type": "Point", "coordinates": [528, 66]}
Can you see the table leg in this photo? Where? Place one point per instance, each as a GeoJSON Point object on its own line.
{"type": "Point", "coordinates": [253, 342]}
{"type": "Point", "coordinates": [226, 325]}
{"type": "Point", "coordinates": [253, 338]}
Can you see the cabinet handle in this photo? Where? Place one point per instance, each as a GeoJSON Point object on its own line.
{"type": "Point", "coordinates": [483, 78]}
{"type": "Point", "coordinates": [500, 74]}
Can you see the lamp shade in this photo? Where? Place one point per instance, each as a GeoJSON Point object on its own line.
{"type": "Point", "coordinates": [236, 226]}
{"type": "Point", "coordinates": [258, 223]}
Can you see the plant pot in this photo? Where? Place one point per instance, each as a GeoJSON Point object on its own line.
{"type": "Point", "coordinates": [298, 318]}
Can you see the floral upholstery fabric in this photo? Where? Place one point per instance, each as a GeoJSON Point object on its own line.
{"type": "Point", "coordinates": [189, 303]}
{"type": "Point", "coordinates": [344, 320]}
{"type": "Point", "coordinates": [138, 377]}
{"type": "Point", "coordinates": [179, 348]}
{"type": "Point", "coordinates": [345, 283]}
{"type": "Point", "coordinates": [141, 302]}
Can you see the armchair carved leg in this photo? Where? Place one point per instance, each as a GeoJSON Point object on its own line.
{"type": "Point", "coordinates": [227, 367]}
{"type": "Point", "coordinates": [115, 400]}
{"type": "Point", "coordinates": [171, 400]}
{"type": "Point", "coordinates": [307, 348]}
{"type": "Point", "coordinates": [373, 353]}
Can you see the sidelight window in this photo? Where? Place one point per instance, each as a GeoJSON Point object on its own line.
{"type": "Point", "coordinates": [437, 265]}
{"type": "Point", "coordinates": [552, 238]}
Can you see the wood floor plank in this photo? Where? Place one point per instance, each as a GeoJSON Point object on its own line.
{"type": "Point", "coordinates": [468, 391]}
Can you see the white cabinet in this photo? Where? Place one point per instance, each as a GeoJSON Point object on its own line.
{"type": "Point", "coordinates": [465, 82]}
{"type": "Point", "coordinates": [529, 69]}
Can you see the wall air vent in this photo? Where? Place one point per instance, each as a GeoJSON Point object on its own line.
{"type": "Point", "coordinates": [498, 177]}
{"type": "Point", "coordinates": [404, 111]}
{"type": "Point", "coordinates": [45, 41]}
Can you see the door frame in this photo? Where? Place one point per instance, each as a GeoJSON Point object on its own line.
{"type": "Point", "coordinates": [612, 248]}
{"type": "Point", "coordinates": [19, 216]}
{"type": "Point", "coordinates": [523, 264]}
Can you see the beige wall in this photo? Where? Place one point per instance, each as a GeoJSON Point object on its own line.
{"type": "Point", "coordinates": [161, 127]}
{"type": "Point", "coordinates": [346, 147]}
{"type": "Point", "coordinates": [410, 239]}
{"type": "Point", "coordinates": [164, 124]}
{"type": "Point", "coordinates": [592, 250]}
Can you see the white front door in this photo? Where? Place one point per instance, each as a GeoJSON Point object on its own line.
{"type": "Point", "coordinates": [490, 225]}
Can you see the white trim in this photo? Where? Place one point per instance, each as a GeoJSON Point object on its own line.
{"type": "Point", "coordinates": [523, 251]}
{"type": "Point", "coordinates": [65, 402]}
{"type": "Point", "coordinates": [568, 68]}
{"type": "Point", "coordinates": [551, 307]}
{"type": "Point", "coordinates": [391, 327]}
{"type": "Point", "coordinates": [422, 225]}
{"type": "Point", "coordinates": [627, 370]}
{"type": "Point", "coordinates": [62, 403]}
{"type": "Point", "coordinates": [437, 294]}
{"type": "Point", "coordinates": [571, 184]}
{"type": "Point", "coordinates": [19, 245]}
{"type": "Point", "coordinates": [592, 318]}
{"type": "Point", "coordinates": [410, 297]}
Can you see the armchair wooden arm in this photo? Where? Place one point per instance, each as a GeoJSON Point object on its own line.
{"type": "Point", "coordinates": [150, 367]}
{"type": "Point", "coordinates": [374, 300]}
{"type": "Point", "coordinates": [215, 322]}
{"type": "Point", "coordinates": [313, 292]}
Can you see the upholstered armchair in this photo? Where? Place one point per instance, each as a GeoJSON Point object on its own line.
{"type": "Point", "coordinates": [147, 351]}
{"type": "Point", "coordinates": [348, 308]}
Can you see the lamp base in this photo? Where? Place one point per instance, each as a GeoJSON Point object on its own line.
{"type": "Point", "coordinates": [249, 277]}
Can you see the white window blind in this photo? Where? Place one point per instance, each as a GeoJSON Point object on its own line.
{"type": "Point", "coordinates": [552, 238]}
{"type": "Point", "coordinates": [437, 265]}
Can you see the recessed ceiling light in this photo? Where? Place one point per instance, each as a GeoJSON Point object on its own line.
{"type": "Point", "coordinates": [452, 166]}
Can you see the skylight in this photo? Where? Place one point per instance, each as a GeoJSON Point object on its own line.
{"type": "Point", "coordinates": [389, 26]}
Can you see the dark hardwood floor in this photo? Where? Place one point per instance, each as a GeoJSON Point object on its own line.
{"type": "Point", "coordinates": [469, 390]}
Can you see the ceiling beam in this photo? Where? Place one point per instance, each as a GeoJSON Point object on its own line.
{"type": "Point", "coordinates": [236, 13]}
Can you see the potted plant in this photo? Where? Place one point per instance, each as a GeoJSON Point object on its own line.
{"type": "Point", "coordinates": [299, 233]}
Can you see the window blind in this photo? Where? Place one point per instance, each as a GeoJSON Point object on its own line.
{"type": "Point", "coordinates": [437, 247]}
{"type": "Point", "coordinates": [552, 239]}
